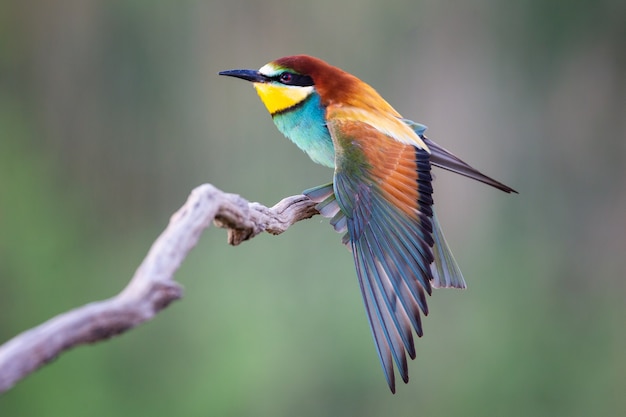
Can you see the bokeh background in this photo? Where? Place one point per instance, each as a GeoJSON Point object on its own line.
{"type": "Point", "coordinates": [112, 111]}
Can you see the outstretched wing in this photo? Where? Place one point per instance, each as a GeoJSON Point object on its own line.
{"type": "Point", "coordinates": [445, 271]}
{"type": "Point", "coordinates": [383, 189]}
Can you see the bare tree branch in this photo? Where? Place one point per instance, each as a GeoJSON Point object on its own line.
{"type": "Point", "coordinates": [152, 288]}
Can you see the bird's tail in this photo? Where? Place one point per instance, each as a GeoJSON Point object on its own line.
{"type": "Point", "coordinates": [446, 273]}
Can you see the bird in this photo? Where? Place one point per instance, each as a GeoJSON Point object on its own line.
{"type": "Point", "coordinates": [381, 196]}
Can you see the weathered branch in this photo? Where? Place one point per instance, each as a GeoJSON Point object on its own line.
{"type": "Point", "coordinates": [152, 288]}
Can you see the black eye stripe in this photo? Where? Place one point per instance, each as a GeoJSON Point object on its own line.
{"type": "Point", "coordinates": [290, 78]}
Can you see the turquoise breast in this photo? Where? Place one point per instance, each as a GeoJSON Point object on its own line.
{"type": "Point", "coordinates": [305, 125]}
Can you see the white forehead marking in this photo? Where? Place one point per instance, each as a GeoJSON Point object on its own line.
{"type": "Point", "coordinates": [269, 70]}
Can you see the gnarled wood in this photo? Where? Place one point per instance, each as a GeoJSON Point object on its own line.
{"type": "Point", "coordinates": [152, 288]}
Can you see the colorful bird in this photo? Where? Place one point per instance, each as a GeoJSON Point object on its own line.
{"type": "Point", "coordinates": [381, 195]}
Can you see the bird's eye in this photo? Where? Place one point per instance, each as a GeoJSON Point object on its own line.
{"type": "Point", "coordinates": [293, 79]}
{"type": "Point", "coordinates": [286, 77]}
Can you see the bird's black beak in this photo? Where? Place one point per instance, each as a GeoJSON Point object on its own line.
{"type": "Point", "coordinates": [249, 75]}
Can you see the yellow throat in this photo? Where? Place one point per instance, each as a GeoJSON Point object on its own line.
{"type": "Point", "coordinates": [281, 97]}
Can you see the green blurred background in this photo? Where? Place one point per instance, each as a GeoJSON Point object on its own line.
{"type": "Point", "coordinates": [112, 111]}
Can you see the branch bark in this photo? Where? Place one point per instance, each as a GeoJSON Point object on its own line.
{"type": "Point", "coordinates": [152, 288]}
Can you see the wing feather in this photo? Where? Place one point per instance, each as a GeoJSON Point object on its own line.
{"type": "Point", "coordinates": [381, 198]}
{"type": "Point", "coordinates": [384, 196]}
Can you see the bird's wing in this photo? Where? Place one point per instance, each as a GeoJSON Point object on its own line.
{"type": "Point", "coordinates": [383, 189]}
{"type": "Point", "coordinates": [445, 271]}
{"type": "Point", "coordinates": [445, 159]}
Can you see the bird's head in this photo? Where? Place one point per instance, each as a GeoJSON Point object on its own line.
{"type": "Point", "coordinates": [284, 83]}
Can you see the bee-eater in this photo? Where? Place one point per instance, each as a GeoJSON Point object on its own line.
{"type": "Point", "coordinates": [381, 195]}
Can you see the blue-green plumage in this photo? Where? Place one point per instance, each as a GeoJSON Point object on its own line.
{"type": "Point", "coordinates": [305, 125]}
